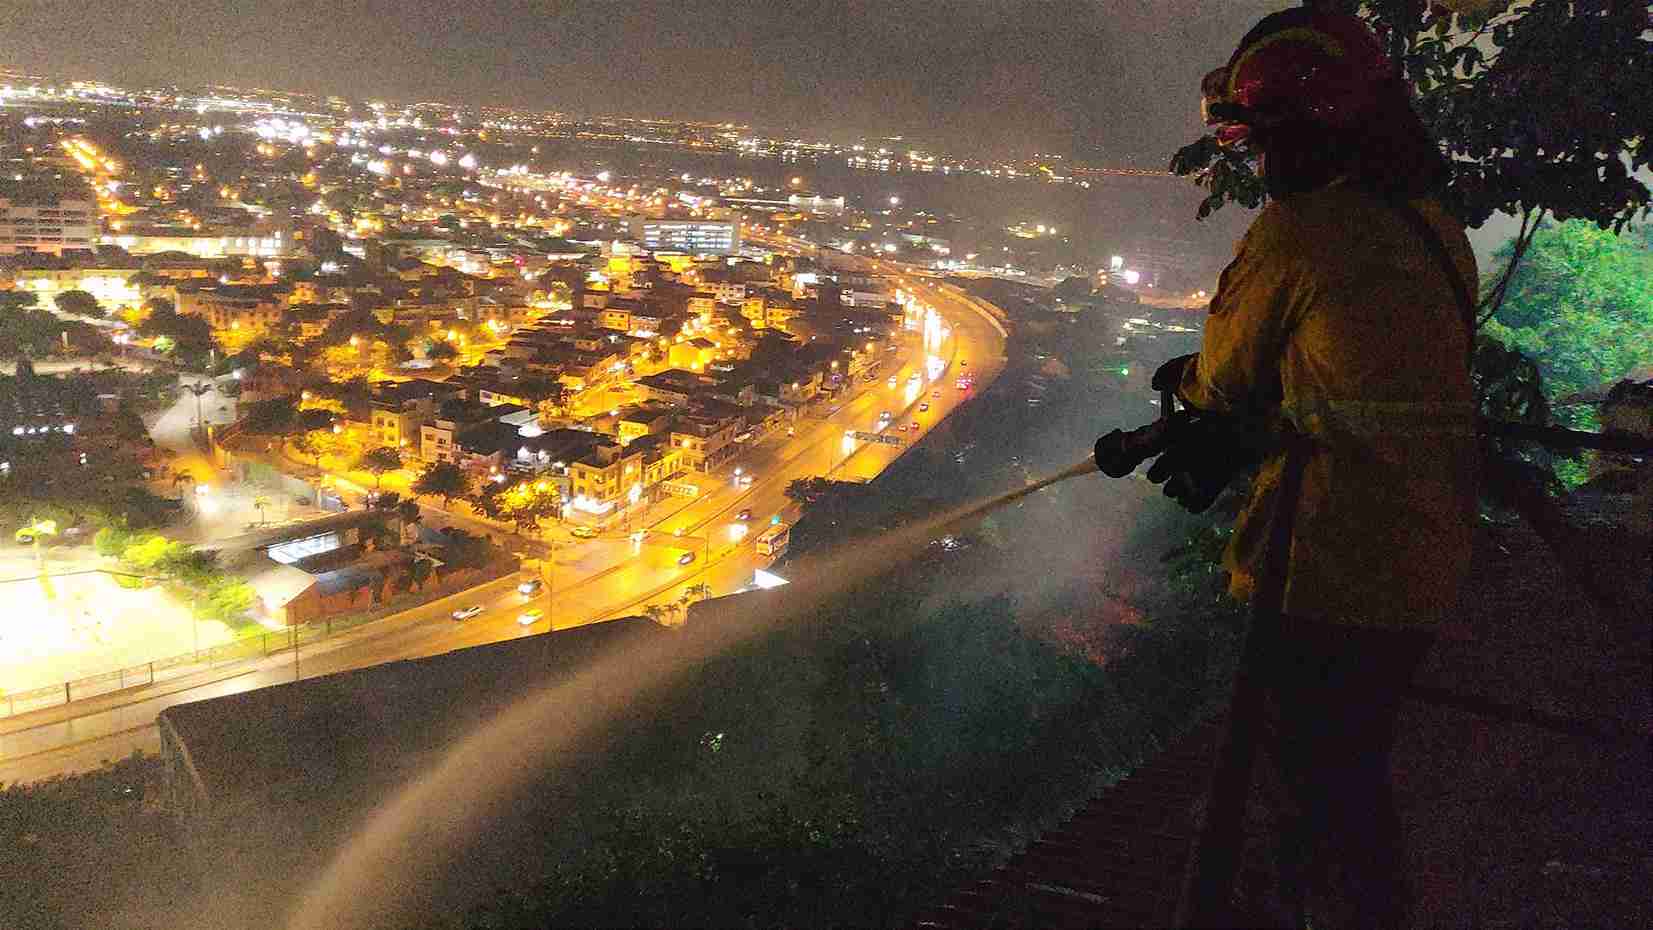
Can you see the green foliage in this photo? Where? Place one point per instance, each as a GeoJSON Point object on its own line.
{"type": "Point", "coordinates": [12, 301]}
{"type": "Point", "coordinates": [155, 553]}
{"type": "Point", "coordinates": [525, 505]}
{"type": "Point", "coordinates": [227, 600]}
{"type": "Point", "coordinates": [892, 753]}
{"type": "Point", "coordinates": [380, 460]}
{"type": "Point", "coordinates": [441, 350]}
{"type": "Point", "coordinates": [79, 303]}
{"type": "Point", "coordinates": [189, 338]}
{"type": "Point", "coordinates": [1581, 305]}
{"type": "Point", "coordinates": [443, 479]}
{"type": "Point", "coordinates": [1541, 106]}
{"type": "Point", "coordinates": [409, 511]}
{"type": "Point", "coordinates": [33, 332]}
{"type": "Point", "coordinates": [111, 541]}
{"type": "Point", "coordinates": [275, 416]}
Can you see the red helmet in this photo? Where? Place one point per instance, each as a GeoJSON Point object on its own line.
{"type": "Point", "coordinates": [1300, 66]}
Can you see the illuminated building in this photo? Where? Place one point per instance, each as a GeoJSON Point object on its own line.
{"type": "Point", "coordinates": [274, 245]}
{"type": "Point", "coordinates": [695, 237]}
{"type": "Point", "coordinates": [45, 222]}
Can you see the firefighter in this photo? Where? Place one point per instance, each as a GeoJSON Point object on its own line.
{"type": "Point", "coordinates": [1340, 328]}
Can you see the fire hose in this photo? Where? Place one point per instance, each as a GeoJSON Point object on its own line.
{"type": "Point", "coordinates": [1195, 481]}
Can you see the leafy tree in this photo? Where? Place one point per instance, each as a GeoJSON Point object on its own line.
{"type": "Point", "coordinates": [1541, 106]}
{"type": "Point", "coordinates": [525, 505]}
{"type": "Point", "coordinates": [443, 479]}
{"type": "Point", "coordinates": [79, 303]}
{"type": "Point", "coordinates": [1580, 305]}
{"type": "Point", "coordinates": [379, 460]}
{"type": "Point", "coordinates": [227, 600]}
{"type": "Point", "coordinates": [188, 338]}
{"type": "Point", "coordinates": [31, 332]}
{"type": "Point", "coordinates": [275, 416]}
{"type": "Point", "coordinates": [441, 350]}
{"type": "Point", "coordinates": [12, 301]}
{"type": "Point", "coordinates": [408, 510]}
{"type": "Point", "coordinates": [308, 443]}
{"type": "Point", "coordinates": [111, 540]}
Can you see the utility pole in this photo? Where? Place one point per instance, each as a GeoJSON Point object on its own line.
{"type": "Point", "coordinates": [550, 583]}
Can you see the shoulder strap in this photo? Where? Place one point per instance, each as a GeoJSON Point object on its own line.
{"type": "Point", "coordinates": [1432, 241]}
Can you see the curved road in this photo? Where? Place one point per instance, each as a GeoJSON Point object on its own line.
{"type": "Point", "coordinates": [592, 581]}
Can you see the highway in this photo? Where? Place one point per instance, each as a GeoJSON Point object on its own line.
{"type": "Point", "coordinates": [592, 580]}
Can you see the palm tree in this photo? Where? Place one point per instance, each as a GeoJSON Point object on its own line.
{"type": "Point", "coordinates": [199, 389]}
{"type": "Point", "coordinates": [658, 613]}
{"type": "Point", "coordinates": [260, 502]}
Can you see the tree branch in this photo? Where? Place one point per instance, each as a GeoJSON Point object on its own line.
{"type": "Point", "coordinates": [1495, 300]}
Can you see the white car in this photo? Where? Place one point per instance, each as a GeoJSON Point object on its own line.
{"type": "Point", "coordinates": [530, 617]}
{"type": "Point", "coordinates": [466, 613]}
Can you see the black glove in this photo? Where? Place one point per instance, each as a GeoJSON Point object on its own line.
{"type": "Point", "coordinates": [1168, 376]}
{"type": "Point", "coordinates": [1200, 461]}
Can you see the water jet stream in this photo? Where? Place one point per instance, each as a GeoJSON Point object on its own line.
{"type": "Point", "coordinates": [388, 870]}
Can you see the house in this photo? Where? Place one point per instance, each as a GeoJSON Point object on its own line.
{"type": "Point", "coordinates": [705, 442]}
{"type": "Point", "coordinates": [606, 476]}
{"type": "Point", "coordinates": [638, 420]}
{"type": "Point", "coordinates": [399, 409]}
{"type": "Point", "coordinates": [233, 306]}
{"type": "Point", "coordinates": [293, 568]}
{"type": "Point", "coordinates": [674, 386]}
{"type": "Point", "coordinates": [438, 438]}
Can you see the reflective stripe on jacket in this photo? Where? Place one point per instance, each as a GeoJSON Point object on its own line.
{"type": "Point", "coordinates": [1334, 317]}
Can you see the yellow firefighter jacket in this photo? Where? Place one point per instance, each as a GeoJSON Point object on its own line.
{"type": "Point", "coordinates": [1337, 322]}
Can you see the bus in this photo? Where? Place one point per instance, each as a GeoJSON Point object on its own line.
{"type": "Point", "coordinates": [772, 542]}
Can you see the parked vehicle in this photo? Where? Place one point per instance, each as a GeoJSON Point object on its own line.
{"type": "Point", "coordinates": [582, 531]}
{"type": "Point", "coordinates": [466, 613]}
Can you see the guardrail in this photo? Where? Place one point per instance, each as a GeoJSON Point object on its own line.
{"type": "Point", "coordinates": [257, 645]}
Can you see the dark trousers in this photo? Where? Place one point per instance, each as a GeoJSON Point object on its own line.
{"type": "Point", "coordinates": [1330, 694]}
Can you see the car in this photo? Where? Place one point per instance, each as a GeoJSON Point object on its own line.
{"type": "Point", "coordinates": [936, 392]}
{"type": "Point", "coordinates": [744, 481]}
{"type": "Point", "coordinates": [530, 617]}
{"type": "Point", "coordinates": [884, 417]}
{"type": "Point", "coordinates": [686, 558]}
{"type": "Point", "coordinates": [466, 613]}
{"type": "Point", "coordinates": [892, 382]}
{"type": "Point", "coordinates": [530, 587]}
{"type": "Point", "coordinates": [582, 531]}
{"type": "Point", "coordinates": [923, 408]}
{"type": "Point", "coordinates": [678, 531]}
{"type": "Point", "coordinates": [744, 515]}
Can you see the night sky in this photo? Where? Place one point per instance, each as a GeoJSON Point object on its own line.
{"type": "Point", "coordinates": [1109, 80]}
